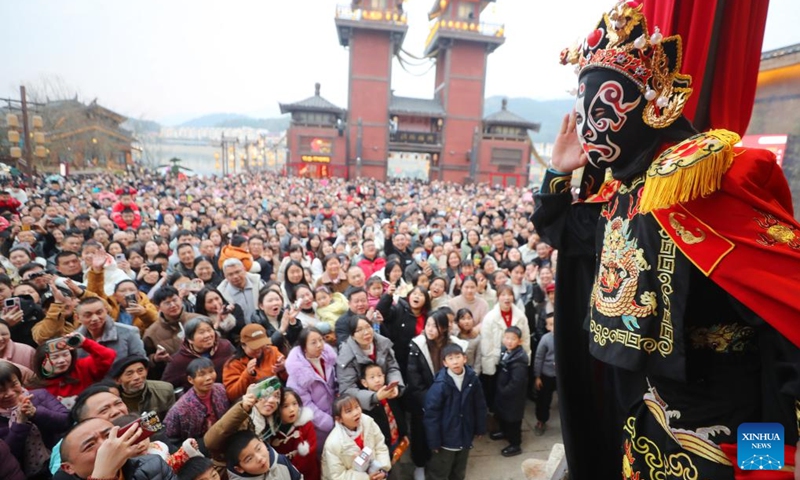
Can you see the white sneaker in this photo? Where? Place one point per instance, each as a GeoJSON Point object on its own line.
{"type": "Point", "coordinates": [419, 473]}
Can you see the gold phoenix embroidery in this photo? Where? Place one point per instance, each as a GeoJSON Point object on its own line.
{"type": "Point", "coordinates": [688, 237]}
{"type": "Point", "coordinates": [776, 231]}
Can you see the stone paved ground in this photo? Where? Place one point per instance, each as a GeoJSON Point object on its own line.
{"type": "Point", "coordinates": [485, 461]}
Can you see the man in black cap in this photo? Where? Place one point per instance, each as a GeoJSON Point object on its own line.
{"type": "Point", "coordinates": [139, 393]}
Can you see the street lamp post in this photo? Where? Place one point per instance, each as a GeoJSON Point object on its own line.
{"type": "Point", "coordinates": [30, 143]}
{"type": "Point", "coordinates": [228, 145]}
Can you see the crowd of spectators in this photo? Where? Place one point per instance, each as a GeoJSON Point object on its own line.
{"type": "Point", "coordinates": [277, 327]}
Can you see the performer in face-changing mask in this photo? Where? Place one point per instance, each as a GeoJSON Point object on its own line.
{"type": "Point", "coordinates": [682, 256]}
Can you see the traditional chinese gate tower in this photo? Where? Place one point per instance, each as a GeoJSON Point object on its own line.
{"type": "Point", "coordinates": [374, 31]}
{"type": "Point", "coordinates": [461, 44]}
{"type": "Point", "coordinates": [443, 137]}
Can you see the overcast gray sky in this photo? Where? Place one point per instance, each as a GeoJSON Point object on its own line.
{"type": "Point", "coordinates": [173, 60]}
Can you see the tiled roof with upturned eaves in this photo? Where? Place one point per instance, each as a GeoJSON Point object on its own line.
{"type": "Point", "coordinates": [505, 117]}
{"type": "Point", "coordinates": [416, 106]}
{"type": "Point", "coordinates": [311, 104]}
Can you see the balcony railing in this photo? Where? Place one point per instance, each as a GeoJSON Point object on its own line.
{"type": "Point", "coordinates": [347, 12]}
{"type": "Point", "coordinates": [418, 138]}
{"type": "Point", "coordinates": [477, 28]}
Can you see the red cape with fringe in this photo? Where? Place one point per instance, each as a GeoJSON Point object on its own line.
{"type": "Point", "coordinates": [744, 237]}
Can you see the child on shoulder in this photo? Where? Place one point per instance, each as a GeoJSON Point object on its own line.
{"type": "Point", "coordinates": [329, 306]}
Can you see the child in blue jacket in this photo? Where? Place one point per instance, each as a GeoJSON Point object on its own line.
{"type": "Point", "coordinates": [455, 413]}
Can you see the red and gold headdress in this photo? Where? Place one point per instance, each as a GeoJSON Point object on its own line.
{"type": "Point", "coordinates": [622, 43]}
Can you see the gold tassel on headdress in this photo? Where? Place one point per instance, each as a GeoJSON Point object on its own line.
{"type": "Point", "coordinates": [688, 170]}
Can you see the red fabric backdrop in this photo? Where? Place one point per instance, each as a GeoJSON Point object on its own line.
{"type": "Point", "coordinates": [738, 54]}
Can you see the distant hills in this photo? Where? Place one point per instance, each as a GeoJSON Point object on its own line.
{"type": "Point", "coordinates": [235, 120]}
{"type": "Point", "coordinates": [548, 113]}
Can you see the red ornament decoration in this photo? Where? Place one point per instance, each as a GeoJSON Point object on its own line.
{"type": "Point", "coordinates": [593, 39]}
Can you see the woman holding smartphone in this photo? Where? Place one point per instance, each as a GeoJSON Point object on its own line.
{"type": "Point", "coordinates": [280, 323]}
{"type": "Point", "coordinates": [226, 316]}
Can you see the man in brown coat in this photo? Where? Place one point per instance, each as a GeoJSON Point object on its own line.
{"type": "Point", "coordinates": [164, 337]}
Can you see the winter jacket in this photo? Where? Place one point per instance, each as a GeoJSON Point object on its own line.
{"type": "Point", "coordinates": [32, 312]}
{"type": "Point", "coordinates": [175, 373]}
{"type": "Point", "coordinates": [166, 333]}
{"type": "Point", "coordinates": [452, 417]}
{"type": "Point", "coordinates": [523, 294]}
{"type": "Point", "coordinates": [400, 325]}
{"type": "Point", "coordinates": [473, 353]}
{"type": "Point", "coordinates": [11, 205]}
{"type": "Point", "coordinates": [123, 339]}
{"type": "Point", "coordinates": [116, 215]}
{"type": "Point", "coordinates": [246, 297]}
{"type": "Point", "coordinates": [96, 282]}
{"type": "Point", "coordinates": [479, 308]}
{"type": "Point", "coordinates": [545, 363]}
{"type": "Point", "coordinates": [232, 421]}
{"type": "Point", "coordinates": [18, 353]}
{"type": "Point", "coordinates": [236, 378]}
{"type": "Point", "coordinates": [352, 359]}
{"type": "Point", "coordinates": [156, 396]}
{"type": "Point", "coordinates": [340, 451]}
{"type": "Point", "coordinates": [52, 419]}
{"type": "Point", "coordinates": [369, 267]}
{"type": "Point", "coordinates": [490, 296]}
{"type": "Point", "coordinates": [406, 258]}
{"type": "Point", "coordinates": [280, 468]}
{"type": "Point", "coordinates": [332, 312]}
{"type": "Point", "coordinates": [340, 285]}
{"type": "Point", "coordinates": [378, 413]}
{"type": "Point", "coordinates": [317, 393]}
{"type": "Point", "coordinates": [9, 466]}
{"type": "Point", "coordinates": [492, 330]}
{"type": "Point", "coordinates": [341, 327]}
{"type": "Point", "coordinates": [55, 323]}
{"type": "Point", "coordinates": [144, 467]}
{"type": "Point", "coordinates": [283, 341]}
{"type": "Point", "coordinates": [511, 386]}
{"type": "Point", "coordinates": [147, 467]}
{"type": "Point", "coordinates": [187, 418]}
{"type": "Point", "coordinates": [84, 372]}
{"type": "Point", "coordinates": [299, 445]}
{"type": "Point", "coordinates": [420, 370]}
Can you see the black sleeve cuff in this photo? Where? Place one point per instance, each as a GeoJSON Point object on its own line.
{"type": "Point", "coordinates": [556, 182]}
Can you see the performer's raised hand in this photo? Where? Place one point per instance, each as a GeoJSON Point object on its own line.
{"type": "Point", "coordinates": [568, 154]}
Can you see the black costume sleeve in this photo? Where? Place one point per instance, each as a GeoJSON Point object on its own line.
{"type": "Point", "coordinates": [570, 228]}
